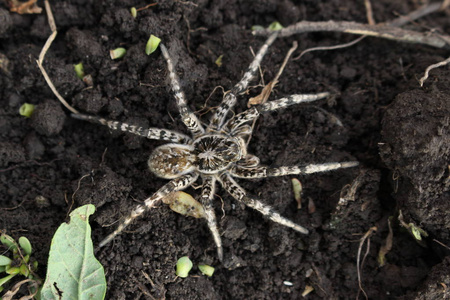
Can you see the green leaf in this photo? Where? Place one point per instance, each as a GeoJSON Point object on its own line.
{"type": "Point", "coordinates": [8, 242]}
{"type": "Point", "coordinates": [4, 260]}
{"type": "Point", "coordinates": [152, 44]}
{"type": "Point", "coordinates": [24, 270]}
{"type": "Point", "coordinates": [26, 110]}
{"type": "Point", "coordinates": [207, 270]}
{"type": "Point", "coordinates": [184, 265]}
{"type": "Point", "coordinates": [117, 53]}
{"type": "Point", "coordinates": [25, 245]}
{"type": "Point", "coordinates": [6, 279]}
{"type": "Point", "coordinates": [72, 267]}
{"type": "Point", "coordinates": [275, 26]}
{"type": "Point", "coordinates": [79, 70]}
{"type": "Point", "coordinates": [12, 270]}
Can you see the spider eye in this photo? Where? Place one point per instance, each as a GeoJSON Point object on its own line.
{"type": "Point", "coordinates": [171, 161]}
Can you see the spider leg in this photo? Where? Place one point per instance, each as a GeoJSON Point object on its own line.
{"type": "Point", "coordinates": [208, 188]}
{"type": "Point", "coordinates": [262, 172]}
{"type": "Point", "coordinates": [188, 117]}
{"type": "Point", "coordinates": [150, 133]}
{"type": "Point", "coordinates": [176, 184]}
{"type": "Point", "coordinates": [230, 98]}
{"type": "Point", "coordinates": [252, 113]}
{"type": "Point", "coordinates": [248, 161]}
{"type": "Point", "coordinates": [240, 194]}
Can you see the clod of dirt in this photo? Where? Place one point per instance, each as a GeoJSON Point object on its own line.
{"type": "Point", "coordinates": [437, 284]}
{"type": "Point", "coordinates": [11, 152]}
{"type": "Point", "coordinates": [288, 13]}
{"type": "Point", "coordinates": [416, 147]}
{"type": "Point", "coordinates": [86, 46]}
{"type": "Point", "coordinates": [5, 21]}
{"type": "Point", "coordinates": [34, 147]}
{"type": "Point", "coordinates": [359, 207]}
{"type": "Point", "coordinates": [48, 118]}
{"type": "Point", "coordinates": [90, 100]}
{"type": "Point", "coordinates": [99, 188]}
{"type": "Point", "coordinates": [234, 228]}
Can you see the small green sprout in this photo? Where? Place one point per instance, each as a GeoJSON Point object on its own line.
{"type": "Point", "coordinates": [152, 44]}
{"type": "Point", "coordinates": [26, 110]}
{"type": "Point", "coordinates": [417, 232]}
{"type": "Point", "coordinates": [207, 270]}
{"type": "Point", "coordinates": [117, 53]}
{"type": "Point", "coordinates": [79, 70]}
{"type": "Point", "coordinates": [20, 262]}
{"type": "Point", "coordinates": [275, 26]}
{"type": "Point", "coordinates": [219, 61]}
{"type": "Point", "coordinates": [257, 28]}
{"type": "Point", "coordinates": [184, 265]}
{"type": "Point", "coordinates": [133, 12]}
{"type": "Point", "coordinates": [297, 188]}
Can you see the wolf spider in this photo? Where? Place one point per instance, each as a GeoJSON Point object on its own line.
{"type": "Point", "coordinates": [216, 152]}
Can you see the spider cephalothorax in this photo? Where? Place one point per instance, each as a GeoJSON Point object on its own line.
{"type": "Point", "coordinates": [217, 153]}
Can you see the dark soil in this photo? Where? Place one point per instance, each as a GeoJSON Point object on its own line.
{"type": "Point", "coordinates": [399, 132]}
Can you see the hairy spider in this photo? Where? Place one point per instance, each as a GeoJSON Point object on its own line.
{"type": "Point", "coordinates": [217, 153]}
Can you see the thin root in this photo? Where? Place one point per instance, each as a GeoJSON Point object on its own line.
{"type": "Point", "coordinates": [434, 66]}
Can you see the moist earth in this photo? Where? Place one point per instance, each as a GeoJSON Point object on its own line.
{"type": "Point", "coordinates": [379, 115]}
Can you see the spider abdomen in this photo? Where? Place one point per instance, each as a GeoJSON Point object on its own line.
{"type": "Point", "coordinates": [171, 160]}
{"type": "Point", "coordinates": [215, 153]}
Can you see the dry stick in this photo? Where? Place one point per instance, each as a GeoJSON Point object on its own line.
{"type": "Point", "coordinates": [417, 14]}
{"type": "Point", "coordinates": [369, 12]}
{"type": "Point", "coordinates": [381, 31]}
{"type": "Point", "coordinates": [386, 30]}
{"type": "Point", "coordinates": [445, 4]}
{"type": "Point", "coordinates": [434, 66]}
{"type": "Point", "coordinates": [48, 43]}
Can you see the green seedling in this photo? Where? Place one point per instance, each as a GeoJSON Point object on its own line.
{"type": "Point", "coordinates": [275, 26]}
{"type": "Point", "coordinates": [79, 70]}
{"type": "Point", "coordinates": [20, 263]}
{"type": "Point", "coordinates": [257, 27]}
{"type": "Point", "coordinates": [133, 12]}
{"type": "Point", "coordinates": [218, 61]}
{"type": "Point", "coordinates": [206, 270]}
{"type": "Point", "coordinates": [26, 110]}
{"type": "Point", "coordinates": [184, 266]}
{"type": "Point", "coordinates": [152, 44]}
{"type": "Point", "coordinates": [297, 188]}
{"type": "Point", "coordinates": [117, 53]}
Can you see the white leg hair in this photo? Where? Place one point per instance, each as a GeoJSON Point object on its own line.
{"type": "Point", "coordinates": [187, 116]}
{"type": "Point", "coordinates": [230, 99]}
{"type": "Point", "coordinates": [262, 172]}
{"type": "Point", "coordinates": [240, 194]}
{"type": "Point", "coordinates": [150, 133]}
{"type": "Point", "coordinates": [208, 190]}
{"type": "Point", "coordinates": [176, 184]}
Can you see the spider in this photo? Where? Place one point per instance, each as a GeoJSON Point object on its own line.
{"type": "Point", "coordinates": [216, 153]}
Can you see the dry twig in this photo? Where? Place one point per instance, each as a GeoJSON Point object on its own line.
{"type": "Point", "coordinates": [40, 61]}
{"type": "Point", "coordinates": [380, 30]}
